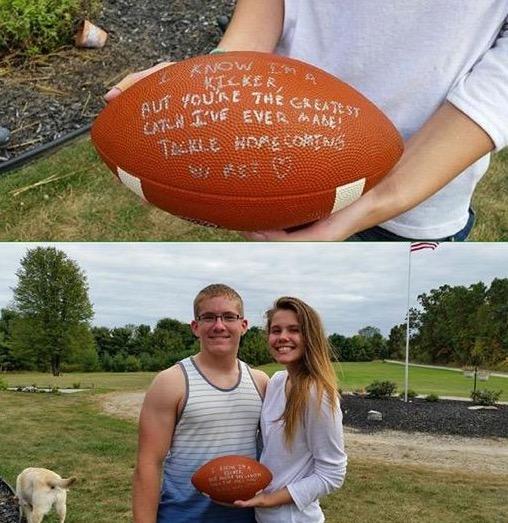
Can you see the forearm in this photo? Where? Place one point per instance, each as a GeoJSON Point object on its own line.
{"type": "Point", "coordinates": [267, 499]}
{"type": "Point", "coordinates": [279, 497]}
{"type": "Point", "coordinates": [256, 26]}
{"type": "Point", "coordinates": [446, 145]}
{"type": "Point", "coordinates": [145, 494]}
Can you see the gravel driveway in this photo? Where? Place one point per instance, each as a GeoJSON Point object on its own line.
{"type": "Point", "coordinates": [488, 455]}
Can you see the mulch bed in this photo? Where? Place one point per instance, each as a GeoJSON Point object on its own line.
{"type": "Point", "coordinates": [9, 509]}
{"type": "Point", "coordinates": [50, 96]}
{"type": "Point", "coordinates": [441, 417]}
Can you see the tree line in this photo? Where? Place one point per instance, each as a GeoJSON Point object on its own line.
{"type": "Point", "coordinates": [48, 328]}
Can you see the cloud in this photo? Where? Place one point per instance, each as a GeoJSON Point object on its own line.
{"type": "Point", "coordinates": [351, 284]}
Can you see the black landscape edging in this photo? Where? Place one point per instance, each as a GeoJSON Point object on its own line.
{"type": "Point", "coordinates": [32, 154]}
{"type": "Point", "coordinates": [9, 508]}
{"type": "Point", "coordinates": [179, 31]}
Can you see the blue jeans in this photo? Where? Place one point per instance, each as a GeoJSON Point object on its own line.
{"type": "Point", "coordinates": [378, 234]}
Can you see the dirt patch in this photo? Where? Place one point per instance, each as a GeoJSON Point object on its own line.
{"type": "Point", "coordinates": [53, 95]}
{"type": "Point", "coordinates": [471, 455]}
{"type": "Point", "coordinates": [125, 405]}
{"type": "Point", "coordinates": [443, 452]}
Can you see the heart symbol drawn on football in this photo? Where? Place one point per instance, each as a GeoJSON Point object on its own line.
{"type": "Point", "coordinates": [282, 166]}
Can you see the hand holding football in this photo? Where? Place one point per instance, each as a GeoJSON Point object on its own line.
{"type": "Point", "coordinates": [230, 478]}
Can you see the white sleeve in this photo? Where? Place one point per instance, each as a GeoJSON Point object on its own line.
{"type": "Point", "coordinates": [482, 94]}
{"type": "Point", "coordinates": [323, 431]}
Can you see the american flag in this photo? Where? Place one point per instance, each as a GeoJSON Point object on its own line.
{"type": "Point", "coordinates": [418, 246]}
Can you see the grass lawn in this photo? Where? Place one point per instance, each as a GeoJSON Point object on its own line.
{"type": "Point", "coordinates": [72, 196]}
{"type": "Point", "coordinates": [351, 376]}
{"type": "Point", "coordinates": [69, 434]}
{"type": "Point", "coordinates": [80, 200]}
{"type": "Point", "coordinates": [101, 381]}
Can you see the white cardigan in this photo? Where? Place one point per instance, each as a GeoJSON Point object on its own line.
{"type": "Point", "coordinates": [315, 465]}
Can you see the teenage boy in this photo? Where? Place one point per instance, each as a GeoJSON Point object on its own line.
{"type": "Point", "coordinates": [205, 406]}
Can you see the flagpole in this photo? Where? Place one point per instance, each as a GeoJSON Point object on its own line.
{"type": "Point", "coordinates": [406, 367]}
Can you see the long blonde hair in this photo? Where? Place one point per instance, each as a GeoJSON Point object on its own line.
{"type": "Point", "coordinates": [314, 368]}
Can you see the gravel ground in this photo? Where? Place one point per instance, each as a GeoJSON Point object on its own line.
{"type": "Point", "coordinates": [442, 417]}
{"type": "Point", "coordinates": [418, 444]}
{"type": "Point", "coordinates": [53, 95]}
{"type": "Point", "coordinates": [9, 511]}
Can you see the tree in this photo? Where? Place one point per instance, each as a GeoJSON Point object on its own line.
{"type": "Point", "coordinates": [338, 344]}
{"type": "Point", "coordinates": [369, 332]}
{"type": "Point", "coordinates": [497, 320]}
{"type": "Point", "coordinates": [51, 298]}
{"type": "Point", "coordinates": [397, 342]}
{"type": "Point", "coordinates": [254, 347]}
{"type": "Point", "coordinates": [7, 358]}
{"type": "Point", "coordinates": [446, 323]}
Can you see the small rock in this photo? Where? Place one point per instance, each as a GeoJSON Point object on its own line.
{"type": "Point", "coordinates": [5, 135]}
{"type": "Point", "coordinates": [223, 22]}
{"type": "Point", "coordinates": [374, 415]}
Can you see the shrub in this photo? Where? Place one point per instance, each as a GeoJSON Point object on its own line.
{"type": "Point", "coordinates": [76, 385]}
{"type": "Point", "coordinates": [69, 367]}
{"type": "Point", "coordinates": [486, 397]}
{"type": "Point", "coordinates": [31, 27]}
{"type": "Point", "coordinates": [132, 364]}
{"type": "Point", "coordinates": [432, 397]}
{"type": "Point", "coordinates": [360, 392]}
{"type": "Point", "coordinates": [411, 394]}
{"type": "Point", "coordinates": [381, 389]}
{"type": "Point", "coordinates": [3, 384]}
{"type": "Point", "coordinates": [119, 363]}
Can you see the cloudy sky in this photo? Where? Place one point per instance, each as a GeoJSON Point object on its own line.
{"type": "Point", "coordinates": [351, 284]}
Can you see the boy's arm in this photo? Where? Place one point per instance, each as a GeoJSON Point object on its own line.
{"type": "Point", "coordinates": [261, 379]}
{"type": "Point", "coordinates": [446, 145]}
{"type": "Point", "coordinates": [156, 426]}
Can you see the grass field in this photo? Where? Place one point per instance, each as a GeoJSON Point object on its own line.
{"type": "Point", "coordinates": [69, 434]}
{"type": "Point", "coordinates": [72, 196]}
{"type": "Point", "coordinates": [80, 200]}
{"type": "Point", "coordinates": [354, 376]}
{"type": "Point", "coordinates": [351, 376]}
{"type": "Point", "coordinates": [100, 381]}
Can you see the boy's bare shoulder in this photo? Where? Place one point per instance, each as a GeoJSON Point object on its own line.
{"type": "Point", "coordinates": [261, 379]}
{"type": "Point", "coordinates": [168, 385]}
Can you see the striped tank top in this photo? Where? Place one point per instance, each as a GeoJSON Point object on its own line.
{"type": "Point", "coordinates": [214, 422]}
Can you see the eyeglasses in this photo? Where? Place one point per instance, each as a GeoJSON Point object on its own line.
{"type": "Point", "coordinates": [227, 317]}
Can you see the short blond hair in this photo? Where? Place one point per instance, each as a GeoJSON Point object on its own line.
{"type": "Point", "coordinates": [213, 291]}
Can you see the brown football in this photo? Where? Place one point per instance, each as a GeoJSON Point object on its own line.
{"type": "Point", "coordinates": [230, 478]}
{"type": "Point", "coordinates": [246, 141]}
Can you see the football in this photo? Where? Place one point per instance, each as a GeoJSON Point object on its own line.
{"type": "Point", "coordinates": [246, 141]}
{"type": "Point", "coordinates": [230, 478]}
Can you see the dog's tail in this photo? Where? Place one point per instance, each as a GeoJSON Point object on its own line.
{"type": "Point", "coordinates": [62, 483]}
